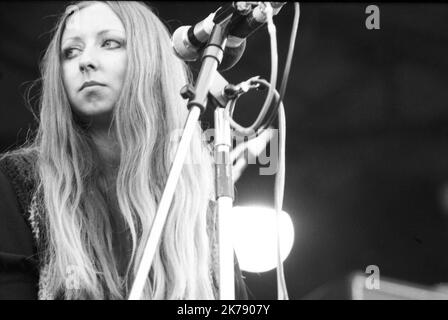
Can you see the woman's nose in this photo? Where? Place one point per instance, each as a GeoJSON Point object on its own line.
{"type": "Point", "coordinates": [87, 61]}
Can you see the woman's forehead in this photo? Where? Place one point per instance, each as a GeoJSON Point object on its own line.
{"type": "Point", "coordinates": [91, 20]}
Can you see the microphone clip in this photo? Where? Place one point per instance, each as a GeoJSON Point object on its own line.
{"type": "Point", "coordinates": [233, 91]}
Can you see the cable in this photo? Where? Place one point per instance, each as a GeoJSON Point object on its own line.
{"type": "Point", "coordinates": [292, 41]}
{"type": "Point", "coordinates": [279, 179]}
{"type": "Point", "coordinates": [249, 131]}
{"type": "Point", "coordinates": [280, 176]}
{"type": "Point", "coordinates": [231, 108]}
{"type": "Point", "coordinates": [280, 111]}
{"type": "Point", "coordinates": [274, 111]}
{"type": "Point", "coordinates": [279, 195]}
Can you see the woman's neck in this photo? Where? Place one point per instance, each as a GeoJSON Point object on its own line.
{"type": "Point", "coordinates": [109, 161]}
{"type": "Point", "coordinates": [108, 150]}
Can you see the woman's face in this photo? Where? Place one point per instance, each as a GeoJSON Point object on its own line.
{"type": "Point", "coordinates": [94, 61]}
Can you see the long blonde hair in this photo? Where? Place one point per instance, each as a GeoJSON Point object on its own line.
{"type": "Point", "coordinates": [77, 218]}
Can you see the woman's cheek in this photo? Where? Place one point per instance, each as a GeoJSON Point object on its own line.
{"type": "Point", "coordinates": [69, 79]}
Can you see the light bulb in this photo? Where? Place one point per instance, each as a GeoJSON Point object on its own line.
{"type": "Point", "coordinates": [254, 237]}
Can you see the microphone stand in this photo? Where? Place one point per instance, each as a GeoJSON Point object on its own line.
{"type": "Point", "coordinates": [223, 187]}
{"type": "Point", "coordinates": [198, 97]}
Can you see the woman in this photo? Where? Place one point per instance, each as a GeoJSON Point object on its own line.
{"type": "Point", "coordinates": [88, 185]}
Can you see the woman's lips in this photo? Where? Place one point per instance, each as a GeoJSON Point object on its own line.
{"type": "Point", "coordinates": [88, 84]}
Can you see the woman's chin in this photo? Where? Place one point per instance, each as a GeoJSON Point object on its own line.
{"type": "Point", "coordinates": [95, 117]}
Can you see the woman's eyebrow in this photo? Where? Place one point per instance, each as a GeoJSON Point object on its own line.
{"type": "Point", "coordinates": [100, 33]}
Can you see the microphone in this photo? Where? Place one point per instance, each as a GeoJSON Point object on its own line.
{"type": "Point", "coordinates": [188, 41]}
{"type": "Point", "coordinates": [247, 22]}
{"type": "Point", "coordinates": [254, 20]}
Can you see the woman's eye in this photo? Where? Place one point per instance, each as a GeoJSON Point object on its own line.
{"type": "Point", "coordinates": [70, 52]}
{"type": "Point", "coordinates": [112, 44]}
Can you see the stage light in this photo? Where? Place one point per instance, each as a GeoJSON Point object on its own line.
{"type": "Point", "coordinates": [254, 237]}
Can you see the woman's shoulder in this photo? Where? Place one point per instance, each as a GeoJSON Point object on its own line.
{"type": "Point", "coordinates": [19, 159]}
{"type": "Point", "coordinates": [18, 262]}
{"type": "Point", "coordinates": [19, 163]}
{"type": "Point", "coordinates": [18, 167]}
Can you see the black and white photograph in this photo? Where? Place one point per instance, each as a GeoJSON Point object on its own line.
{"type": "Point", "coordinates": [223, 151]}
